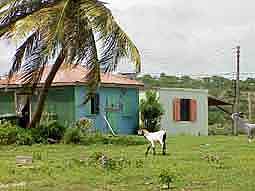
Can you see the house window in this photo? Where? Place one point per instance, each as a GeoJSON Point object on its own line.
{"type": "Point", "coordinates": [94, 104]}
{"type": "Point", "coordinates": [184, 110]}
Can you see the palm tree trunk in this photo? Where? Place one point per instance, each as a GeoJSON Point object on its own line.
{"type": "Point", "coordinates": [44, 92]}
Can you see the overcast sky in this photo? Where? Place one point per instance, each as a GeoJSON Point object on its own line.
{"type": "Point", "coordinates": [184, 36]}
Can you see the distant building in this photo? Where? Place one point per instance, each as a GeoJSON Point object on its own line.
{"type": "Point", "coordinates": [129, 75]}
{"type": "Point", "coordinates": [117, 100]}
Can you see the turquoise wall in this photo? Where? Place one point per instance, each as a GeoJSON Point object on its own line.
{"type": "Point", "coordinates": [60, 100]}
{"type": "Point", "coordinates": [119, 105]}
{"type": "Point", "coordinates": [7, 104]}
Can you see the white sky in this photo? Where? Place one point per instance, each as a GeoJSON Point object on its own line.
{"type": "Point", "coordinates": [121, 4]}
{"type": "Point", "coordinates": [184, 36]}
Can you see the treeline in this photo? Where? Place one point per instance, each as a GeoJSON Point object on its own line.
{"type": "Point", "coordinates": [219, 87]}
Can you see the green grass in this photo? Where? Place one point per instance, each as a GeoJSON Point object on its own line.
{"type": "Point", "coordinates": [191, 159]}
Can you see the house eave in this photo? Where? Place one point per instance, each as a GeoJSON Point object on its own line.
{"type": "Point", "coordinates": [212, 101]}
{"type": "Point", "coordinates": [15, 86]}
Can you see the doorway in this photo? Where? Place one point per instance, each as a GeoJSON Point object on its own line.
{"type": "Point", "coordinates": [23, 109]}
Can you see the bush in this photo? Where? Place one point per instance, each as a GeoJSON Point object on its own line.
{"type": "Point", "coordinates": [126, 140]}
{"type": "Point", "coordinates": [108, 163]}
{"type": "Point", "coordinates": [73, 135]}
{"type": "Point", "coordinates": [94, 138]}
{"type": "Point", "coordinates": [167, 177]}
{"type": "Point", "coordinates": [151, 111]}
{"type": "Point", "coordinates": [48, 128]}
{"type": "Point", "coordinates": [79, 132]}
{"type": "Point", "coordinates": [11, 134]}
{"type": "Point", "coordinates": [218, 129]}
{"type": "Point", "coordinates": [76, 136]}
{"type": "Point", "coordinates": [8, 136]}
{"type": "Point", "coordinates": [24, 137]}
{"type": "Point", "coordinates": [8, 133]}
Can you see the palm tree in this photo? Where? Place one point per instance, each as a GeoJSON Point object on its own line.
{"type": "Point", "coordinates": [70, 32]}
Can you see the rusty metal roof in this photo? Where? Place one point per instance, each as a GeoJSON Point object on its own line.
{"type": "Point", "coordinates": [75, 75]}
{"type": "Point", "coordinates": [212, 101]}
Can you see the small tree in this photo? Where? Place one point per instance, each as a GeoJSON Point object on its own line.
{"type": "Point", "coordinates": [167, 177]}
{"type": "Point", "coordinates": [151, 111]}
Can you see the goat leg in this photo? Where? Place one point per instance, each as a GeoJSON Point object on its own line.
{"type": "Point", "coordinates": [154, 150]}
{"type": "Point", "coordinates": [146, 153]}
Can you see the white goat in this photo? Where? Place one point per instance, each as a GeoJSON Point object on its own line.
{"type": "Point", "coordinates": [153, 138]}
{"type": "Point", "coordinates": [248, 128]}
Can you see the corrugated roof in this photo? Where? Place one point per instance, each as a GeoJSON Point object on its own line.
{"type": "Point", "coordinates": [74, 75]}
{"type": "Point", "coordinates": [212, 101]}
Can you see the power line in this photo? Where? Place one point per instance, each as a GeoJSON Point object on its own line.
{"type": "Point", "coordinates": [201, 75]}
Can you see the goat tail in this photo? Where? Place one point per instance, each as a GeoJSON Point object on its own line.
{"type": "Point", "coordinates": [164, 143]}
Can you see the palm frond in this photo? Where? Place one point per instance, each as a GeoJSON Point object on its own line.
{"type": "Point", "coordinates": [53, 28]}
{"type": "Point", "coordinates": [81, 46]}
{"type": "Point", "coordinates": [92, 64]}
{"type": "Point", "coordinates": [3, 3]}
{"type": "Point", "coordinates": [33, 65]}
{"type": "Point", "coordinates": [33, 54]}
{"type": "Point", "coordinates": [26, 47]}
{"type": "Point", "coordinates": [20, 9]}
{"type": "Point", "coordinates": [20, 30]}
{"type": "Point", "coordinates": [50, 42]}
{"type": "Point", "coordinates": [4, 32]}
{"type": "Point", "coordinates": [115, 42]}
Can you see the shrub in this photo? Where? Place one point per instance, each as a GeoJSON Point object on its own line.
{"type": "Point", "coordinates": [126, 140]}
{"type": "Point", "coordinates": [167, 177]}
{"type": "Point", "coordinates": [6, 124]}
{"type": "Point", "coordinates": [94, 138]}
{"type": "Point", "coordinates": [77, 136]}
{"type": "Point", "coordinates": [8, 133]}
{"type": "Point", "coordinates": [73, 135]}
{"type": "Point", "coordinates": [8, 136]}
{"type": "Point", "coordinates": [51, 129]}
{"type": "Point", "coordinates": [218, 129]}
{"type": "Point", "coordinates": [11, 134]}
{"type": "Point", "coordinates": [48, 128]}
{"type": "Point", "coordinates": [80, 133]}
{"type": "Point", "coordinates": [24, 137]}
{"type": "Point", "coordinates": [107, 162]}
{"type": "Point", "coordinates": [151, 111]}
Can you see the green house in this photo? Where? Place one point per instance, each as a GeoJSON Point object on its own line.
{"type": "Point", "coordinates": [114, 107]}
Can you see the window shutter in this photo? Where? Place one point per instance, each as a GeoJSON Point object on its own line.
{"type": "Point", "coordinates": [193, 110]}
{"type": "Point", "coordinates": [97, 103]}
{"type": "Point", "coordinates": [94, 104]}
{"type": "Point", "coordinates": [176, 109]}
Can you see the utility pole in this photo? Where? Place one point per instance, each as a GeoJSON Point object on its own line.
{"type": "Point", "coordinates": [249, 105]}
{"type": "Point", "coordinates": [237, 88]}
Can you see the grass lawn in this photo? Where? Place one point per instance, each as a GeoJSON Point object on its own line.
{"type": "Point", "coordinates": [199, 163]}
